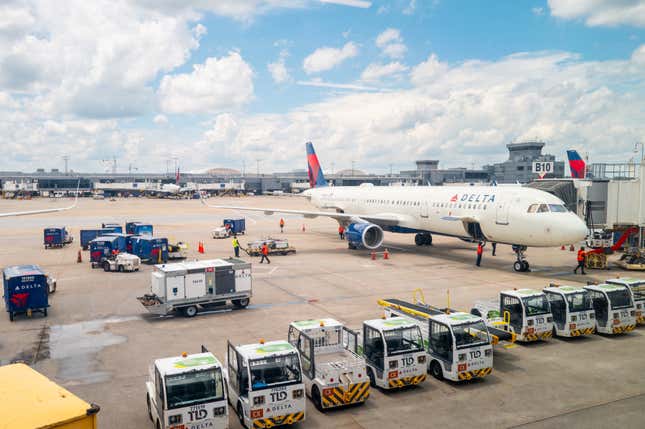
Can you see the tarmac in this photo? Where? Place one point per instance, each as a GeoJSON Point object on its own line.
{"type": "Point", "coordinates": [98, 341]}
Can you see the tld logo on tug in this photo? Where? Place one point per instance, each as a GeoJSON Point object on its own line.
{"type": "Point", "coordinates": [473, 198]}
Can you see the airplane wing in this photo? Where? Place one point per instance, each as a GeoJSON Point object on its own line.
{"type": "Point", "coordinates": [34, 212]}
{"type": "Point", "coordinates": [379, 219]}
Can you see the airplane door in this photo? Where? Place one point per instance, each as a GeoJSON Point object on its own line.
{"type": "Point", "coordinates": [501, 213]}
{"type": "Point", "coordinates": [424, 209]}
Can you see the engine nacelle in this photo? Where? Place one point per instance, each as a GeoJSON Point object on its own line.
{"type": "Point", "coordinates": [367, 235]}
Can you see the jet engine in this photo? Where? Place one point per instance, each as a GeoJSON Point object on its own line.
{"type": "Point", "coordinates": [367, 235]}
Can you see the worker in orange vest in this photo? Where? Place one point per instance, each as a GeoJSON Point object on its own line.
{"type": "Point", "coordinates": [581, 261]}
{"type": "Point", "coordinates": [265, 253]}
{"type": "Point", "coordinates": [480, 251]}
{"type": "Point", "coordinates": [281, 225]}
{"type": "Point", "coordinates": [341, 232]}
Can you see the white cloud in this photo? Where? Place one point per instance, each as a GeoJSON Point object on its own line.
{"type": "Point", "coordinates": [216, 85]}
{"type": "Point", "coordinates": [375, 72]}
{"type": "Point", "coordinates": [539, 11]}
{"type": "Point", "coordinates": [160, 119]}
{"type": "Point", "coordinates": [390, 35]}
{"type": "Point", "coordinates": [326, 58]}
{"type": "Point", "coordinates": [391, 43]}
{"type": "Point", "coordinates": [322, 84]}
{"type": "Point", "coordinates": [352, 3]}
{"type": "Point", "coordinates": [601, 12]}
{"type": "Point", "coordinates": [410, 8]}
{"type": "Point", "coordinates": [460, 114]}
{"type": "Point", "coordinates": [278, 68]}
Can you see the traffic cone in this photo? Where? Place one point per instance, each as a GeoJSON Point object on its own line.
{"type": "Point", "coordinates": [373, 255]}
{"type": "Point", "coordinates": [200, 247]}
{"type": "Point", "coordinates": [79, 258]}
{"type": "Point", "coordinates": [562, 248]}
{"type": "Point", "coordinates": [303, 227]}
{"type": "Point", "coordinates": [386, 254]}
{"type": "Point", "coordinates": [571, 248]}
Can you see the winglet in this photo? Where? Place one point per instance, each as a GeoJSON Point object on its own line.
{"type": "Point", "coordinates": [316, 177]}
{"type": "Point", "coordinates": [576, 165]}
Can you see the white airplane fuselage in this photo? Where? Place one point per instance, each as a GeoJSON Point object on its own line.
{"type": "Point", "coordinates": [502, 212]}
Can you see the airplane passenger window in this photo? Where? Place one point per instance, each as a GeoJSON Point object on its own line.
{"type": "Point", "coordinates": [484, 206]}
{"type": "Point", "coordinates": [543, 208]}
{"type": "Point", "coordinates": [532, 208]}
{"type": "Point", "coordinates": [557, 208]}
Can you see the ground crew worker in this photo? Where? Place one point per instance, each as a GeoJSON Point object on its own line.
{"type": "Point", "coordinates": [265, 253]}
{"type": "Point", "coordinates": [494, 248]}
{"type": "Point", "coordinates": [341, 232]}
{"type": "Point", "coordinates": [480, 251]}
{"type": "Point", "coordinates": [281, 225]}
{"type": "Point", "coordinates": [236, 246]}
{"type": "Point", "coordinates": [581, 261]}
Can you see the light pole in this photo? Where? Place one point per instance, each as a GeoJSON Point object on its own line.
{"type": "Point", "coordinates": [642, 149]}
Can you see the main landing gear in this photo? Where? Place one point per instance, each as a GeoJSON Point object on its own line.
{"type": "Point", "coordinates": [424, 239]}
{"type": "Point", "coordinates": [521, 265]}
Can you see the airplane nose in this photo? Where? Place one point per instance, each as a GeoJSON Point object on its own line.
{"type": "Point", "coordinates": [577, 230]}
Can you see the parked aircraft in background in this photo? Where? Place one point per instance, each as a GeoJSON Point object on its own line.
{"type": "Point", "coordinates": [518, 216]}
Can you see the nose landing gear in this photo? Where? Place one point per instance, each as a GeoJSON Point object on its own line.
{"type": "Point", "coordinates": [521, 265]}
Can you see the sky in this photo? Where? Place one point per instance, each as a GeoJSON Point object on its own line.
{"type": "Point", "coordinates": [378, 84]}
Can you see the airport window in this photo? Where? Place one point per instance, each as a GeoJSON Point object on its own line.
{"type": "Point", "coordinates": [543, 208]}
{"type": "Point", "coordinates": [532, 208]}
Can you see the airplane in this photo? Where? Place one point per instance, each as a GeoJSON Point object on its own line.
{"type": "Point", "coordinates": [519, 216]}
{"type": "Point", "coordinates": [35, 212]}
{"type": "Point", "coordinates": [576, 165]}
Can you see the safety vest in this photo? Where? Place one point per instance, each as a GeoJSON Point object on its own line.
{"type": "Point", "coordinates": [265, 250]}
{"type": "Point", "coordinates": [480, 249]}
{"type": "Point", "coordinates": [281, 222]}
{"type": "Point", "coordinates": [236, 243]}
{"type": "Point", "coordinates": [581, 255]}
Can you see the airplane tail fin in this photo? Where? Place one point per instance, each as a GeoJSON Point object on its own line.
{"type": "Point", "coordinates": [316, 177]}
{"type": "Point", "coordinates": [576, 164]}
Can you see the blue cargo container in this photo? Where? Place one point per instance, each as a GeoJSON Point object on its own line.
{"type": "Point", "coordinates": [25, 290]}
{"type": "Point", "coordinates": [56, 236]}
{"type": "Point", "coordinates": [115, 227]}
{"type": "Point", "coordinates": [124, 241]}
{"type": "Point", "coordinates": [237, 226]}
{"type": "Point", "coordinates": [150, 249]}
{"type": "Point", "coordinates": [88, 235]}
{"type": "Point", "coordinates": [138, 228]}
{"type": "Point", "coordinates": [102, 247]}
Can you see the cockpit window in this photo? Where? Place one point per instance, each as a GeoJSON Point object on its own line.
{"type": "Point", "coordinates": [557, 208]}
{"type": "Point", "coordinates": [543, 208]}
{"type": "Point", "coordinates": [533, 208]}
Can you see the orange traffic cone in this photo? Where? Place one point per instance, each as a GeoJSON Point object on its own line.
{"type": "Point", "coordinates": [386, 254]}
{"type": "Point", "coordinates": [373, 255]}
{"type": "Point", "coordinates": [79, 258]}
{"type": "Point", "coordinates": [303, 227]}
{"type": "Point", "coordinates": [562, 248]}
{"type": "Point", "coordinates": [200, 247]}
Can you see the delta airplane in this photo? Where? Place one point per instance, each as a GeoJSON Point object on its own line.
{"type": "Point", "coordinates": [519, 216]}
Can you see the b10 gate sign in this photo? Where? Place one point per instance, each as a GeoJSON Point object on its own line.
{"type": "Point", "coordinates": [541, 167]}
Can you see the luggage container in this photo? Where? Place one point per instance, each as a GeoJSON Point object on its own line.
{"type": "Point", "coordinates": [614, 308]}
{"type": "Point", "coordinates": [102, 248]}
{"type": "Point", "coordinates": [26, 289]}
{"type": "Point", "coordinates": [236, 226]}
{"type": "Point", "coordinates": [573, 314]}
{"type": "Point", "coordinates": [188, 286]}
{"type": "Point", "coordinates": [115, 227]}
{"type": "Point", "coordinates": [56, 236]}
{"type": "Point", "coordinates": [637, 287]}
{"type": "Point", "coordinates": [88, 235]}
{"type": "Point", "coordinates": [265, 385]}
{"type": "Point", "coordinates": [124, 241]}
{"type": "Point", "coordinates": [187, 392]}
{"type": "Point", "coordinates": [153, 250]}
{"type": "Point", "coordinates": [138, 228]}
{"type": "Point", "coordinates": [31, 400]}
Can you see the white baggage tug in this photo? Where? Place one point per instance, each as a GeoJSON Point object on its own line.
{"type": "Point", "coordinates": [614, 308]}
{"type": "Point", "coordinates": [265, 385]}
{"type": "Point", "coordinates": [458, 345]}
{"type": "Point", "coordinates": [526, 311]}
{"type": "Point", "coordinates": [637, 287]}
{"type": "Point", "coordinates": [187, 392]}
{"type": "Point", "coordinates": [333, 373]}
{"type": "Point", "coordinates": [573, 314]}
{"type": "Point", "coordinates": [393, 351]}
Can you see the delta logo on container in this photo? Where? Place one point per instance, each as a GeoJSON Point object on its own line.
{"type": "Point", "coordinates": [473, 198]}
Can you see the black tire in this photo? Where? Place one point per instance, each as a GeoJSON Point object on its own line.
{"type": "Point", "coordinates": [427, 240]}
{"type": "Point", "coordinates": [190, 311]}
{"type": "Point", "coordinates": [240, 414]}
{"type": "Point", "coordinates": [11, 316]}
{"type": "Point", "coordinates": [418, 240]}
{"type": "Point", "coordinates": [436, 371]}
{"type": "Point", "coordinates": [371, 376]}
{"type": "Point", "coordinates": [106, 266]}
{"type": "Point", "coordinates": [316, 398]}
{"type": "Point", "coordinates": [476, 312]}
{"type": "Point", "coordinates": [158, 425]}
{"type": "Point", "coordinates": [149, 408]}
{"type": "Point", "coordinates": [121, 269]}
{"type": "Point", "coordinates": [525, 266]}
{"type": "Point", "coordinates": [240, 303]}
{"type": "Point", "coordinates": [517, 266]}
{"type": "Point", "coordinates": [45, 312]}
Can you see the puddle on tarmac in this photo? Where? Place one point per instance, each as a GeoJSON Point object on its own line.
{"type": "Point", "coordinates": [75, 348]}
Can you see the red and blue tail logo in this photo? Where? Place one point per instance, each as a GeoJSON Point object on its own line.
{"type": "Point", "coordinates": [316, 178]}
{"type": "Point", "coordinates": [576, 164]}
